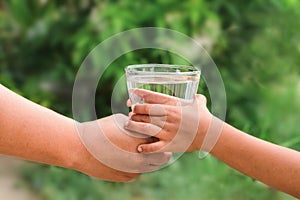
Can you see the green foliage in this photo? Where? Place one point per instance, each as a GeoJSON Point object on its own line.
{"type": "Point", "coordinates": [255, 44]}
{"type": "Point", "coordinates": [188, 178]}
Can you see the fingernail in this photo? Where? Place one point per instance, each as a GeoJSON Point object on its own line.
{"type": "Point", "coordinates": [140, 149]}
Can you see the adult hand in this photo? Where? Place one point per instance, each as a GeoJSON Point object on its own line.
{"type": "Point", "coordinates": [115, 148]}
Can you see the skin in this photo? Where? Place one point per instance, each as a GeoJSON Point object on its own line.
{"type": "Point", "coordinates": [274, 165]}
{"type": "Point", "coordinates": [32, 132]}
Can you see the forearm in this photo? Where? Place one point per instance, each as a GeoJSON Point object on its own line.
{"type": "Point", "coordinates": [32, 132]}
{"type": "Point", "coordinates": [274, 165]}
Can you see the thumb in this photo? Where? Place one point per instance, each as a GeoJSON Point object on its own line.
{"type": "Point", "coordinates": [143, 128]}
{"type": "Point", "coordinates": [151, 147]}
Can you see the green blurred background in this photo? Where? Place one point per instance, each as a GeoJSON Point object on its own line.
{"type": "Point", "coordinates": [255, 44]}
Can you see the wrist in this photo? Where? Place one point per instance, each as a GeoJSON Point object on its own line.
{"type": "Point", "coordinates": [210, 132]}
{"type": "Point", "coordinates": [77, 154]}
{"type": "Point", "coordinates": [219, 136]}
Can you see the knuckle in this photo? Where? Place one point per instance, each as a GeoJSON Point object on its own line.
{"type": "Point", "coordinates": [154, 147]}
{"type": "Point", "coordinates": [141, 118]}
{"type": "Point", "coordinates": [150, 148]}
{"type": "Point", "coordinates": [147, 108]}
{"type": "Point", "coordinates": [201, 98]}
{"type": "Point", "coordinates": [119, 116]}
{"type": "Point", "coordinates": [129, 124]}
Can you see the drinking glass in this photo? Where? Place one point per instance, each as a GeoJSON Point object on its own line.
{"type": "Point", "coordinates": [175, 80]}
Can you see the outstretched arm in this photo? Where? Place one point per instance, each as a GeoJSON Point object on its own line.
{"type": "Point", "coordinates": [272, 164]}
{"type": "Point", "coordinates": [32, 132]}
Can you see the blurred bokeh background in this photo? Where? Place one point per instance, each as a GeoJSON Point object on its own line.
{"type": "Point", "coordinates": [255, 44]}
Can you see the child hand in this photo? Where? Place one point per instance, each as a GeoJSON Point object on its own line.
{"type": "Point", "coordinates": [179, 126]}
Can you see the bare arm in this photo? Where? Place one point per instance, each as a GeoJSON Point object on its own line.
{"type": "Point", "coordinates": [32, 132]}
{"type": "Point", "coordinates": [35, 133]}
{"type": "Point", "coordinates": [272, 164]}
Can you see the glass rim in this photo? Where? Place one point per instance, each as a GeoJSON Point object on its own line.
{"type": "Point", "coordinates": [132, 69]}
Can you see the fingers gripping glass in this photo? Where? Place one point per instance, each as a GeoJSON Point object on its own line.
{"type": "Point", "coordinates": [174, 80]}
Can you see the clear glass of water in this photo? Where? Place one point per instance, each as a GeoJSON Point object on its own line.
{"type": "Point", "coordinates": [174, 80]}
